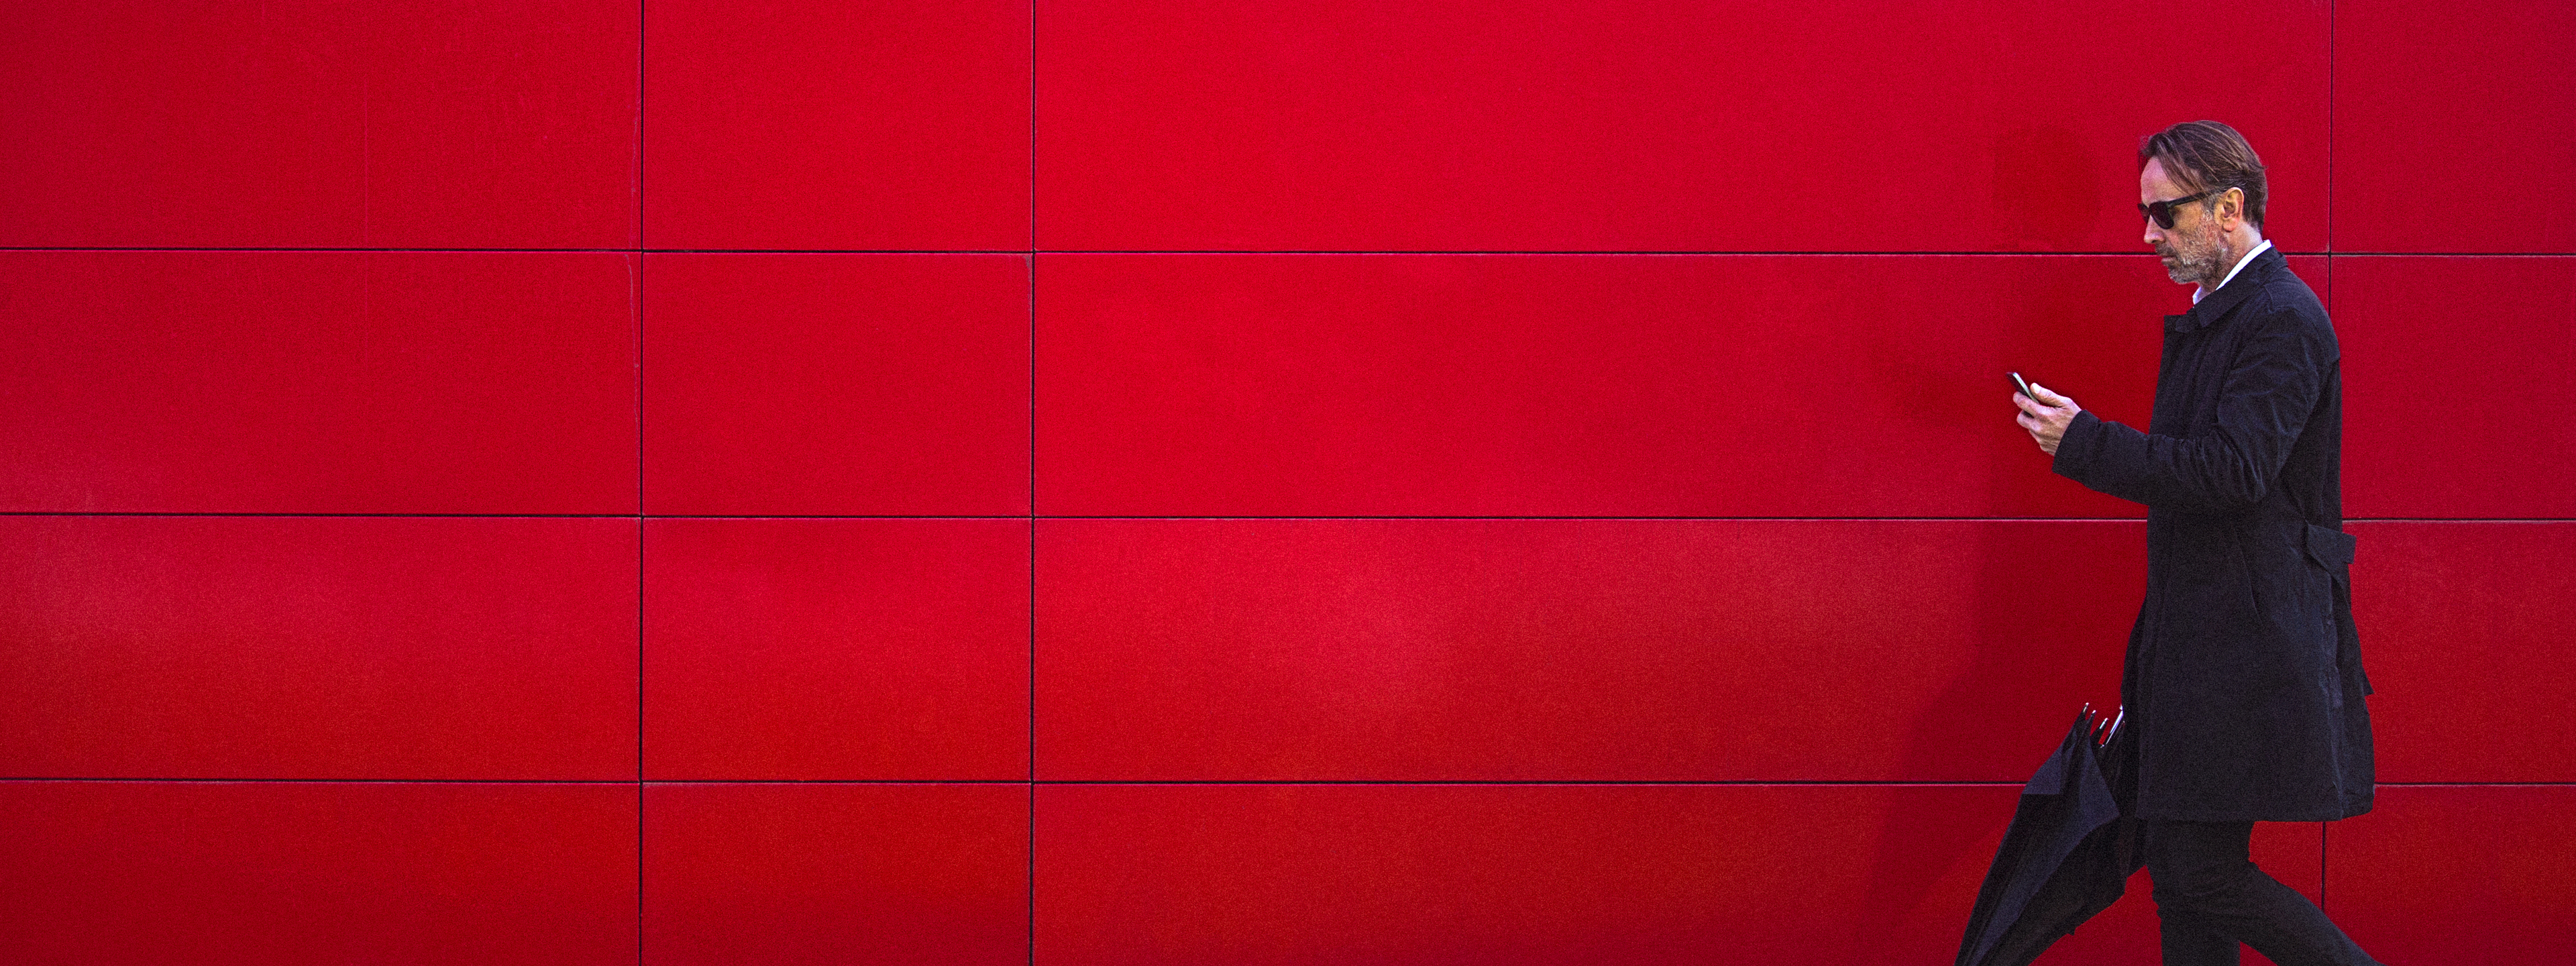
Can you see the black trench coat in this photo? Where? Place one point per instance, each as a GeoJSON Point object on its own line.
{"type": "Point", "coordinates": [2243, 678]}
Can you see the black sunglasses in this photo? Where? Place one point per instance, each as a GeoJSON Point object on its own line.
{"type": "Point", "coordinates": [2162, 212]}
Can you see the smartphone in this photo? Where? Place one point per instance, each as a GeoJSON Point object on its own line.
{"type": "Point", "coordinates": [2025, 388]}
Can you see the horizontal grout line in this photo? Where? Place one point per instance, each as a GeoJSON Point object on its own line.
{"type": "Point", "coordinates": [510, 516]}
{"type": "Point", "coordinates": [1616, 519]}
{"type": "Point", "coordinates": [1578, 253]}
{"type": "Point", "coordinates": [1015, 782]}
{"type": "Point", "coordinates": [607, 783]}
{"type": "Point", "coordinates": [1024, 252]}
{"type": "Point", "coordinates": [186, 513]}
{"type": "Point", "coordinates": [2457, 520]}
{"type": "Point", "coordinates": [1585, 253]}
{"type": "Point", "coordinates": [1605, 782]}
{"type": "Point", "coordinates": [1184, 518]}
{"type": "Point", "coordinates": [271, 249]}
{"type": "Point", "coordinates": [1015, 252]}
{"type": "Point", "coordinates": [1747, 782]}
{"type": "Point", "coordinates": [1315, 781]}
{"type": "Point", "coordinates": [1720, 519]}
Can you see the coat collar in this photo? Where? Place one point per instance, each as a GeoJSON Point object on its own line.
{"type": "Point", "coordinates": [2214, 306]}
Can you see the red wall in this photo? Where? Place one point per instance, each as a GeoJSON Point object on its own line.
{"type": "Point", "coordinates": [1115, 482]}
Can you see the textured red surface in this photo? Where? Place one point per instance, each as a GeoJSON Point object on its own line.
{"type": "Point", "coordinates": [2452, 125]}
{"type": "Point", "coordinates": [2002, 125]}
{"type": "Point", "coordinates": [2427, 343]}
{"type": "Point", "coordinates": [2464, 630]}
{"type": "Point", "coordinates": [803, 125]}
{"type": "Point", "coordinates": [1139, 874]}
{"type": "Point", "coordinates": [818, 874]}
{"type": "Point", "coordinates": [1507, 874]}
{"type": "Point", "coordinates": [1501, 650]}
{"type": "Point", "coordinates": [836, 649]}
{"type": "Point", "coordinates": [317, 647]}
{"type": "Point", "coordinates": [310, 382]}
{"type": "Point", "coordinates": [842, 384]}
{"type": "Point", "coordinates": [1579, 385]}
{"type": "Point", "coordinates": [975, 458]}
{"type": "Point", "coordinates": [295, 872]}
{"type": "Point", "coordinates": [2464, 874]}
{"type": "Point", "coordinates": [296, 123]}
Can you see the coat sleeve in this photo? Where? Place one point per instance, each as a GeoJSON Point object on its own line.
{"type": "Point", "coordinates": [2264, 401]}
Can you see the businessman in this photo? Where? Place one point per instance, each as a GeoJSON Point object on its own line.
{"type": "Point", "coordinates": [2243, 676]}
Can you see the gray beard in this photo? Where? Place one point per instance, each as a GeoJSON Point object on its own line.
{"type": "Point", "coordinates": [2204, 270]}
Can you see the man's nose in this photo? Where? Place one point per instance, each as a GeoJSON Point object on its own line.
{"type": "Point", "coordinates": [2153, 235]}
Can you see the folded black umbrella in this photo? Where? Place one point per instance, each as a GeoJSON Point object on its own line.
{"type": "Point", "coordinates": [2068, 853]}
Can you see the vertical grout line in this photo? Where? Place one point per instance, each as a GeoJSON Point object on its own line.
{"type": "Point", "coordinates": [2323, 855]}
{"type": "Point", "coordinates": [1033, 607]}
{"type": "Point", "coordinates": [1033, 485]}
{"type": "Point", "coordinates": [1034, 132]}
{"type": "Point", "coordinates": [1033, 873]}
{"type": "Point", "coordinates": [638, 189]}
{"type": "Point", "coordinates": [638, 296]}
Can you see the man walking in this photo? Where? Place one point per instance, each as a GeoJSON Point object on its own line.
{"type": "Point", "coordinates": [2243, 678]}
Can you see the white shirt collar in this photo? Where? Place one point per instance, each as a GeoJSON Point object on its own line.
{"type": "Point", "coordinates": [2198, 291]}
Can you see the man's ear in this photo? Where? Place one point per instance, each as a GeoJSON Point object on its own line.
{"type": "Point", "coordinates": [2231, 208]}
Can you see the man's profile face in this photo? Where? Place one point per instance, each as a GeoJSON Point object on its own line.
{"type": "Point", "coordinates": [2190, 249]}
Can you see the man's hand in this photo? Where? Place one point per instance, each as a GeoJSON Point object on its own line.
{"type": "Point", "coordinates": [2045, 417]}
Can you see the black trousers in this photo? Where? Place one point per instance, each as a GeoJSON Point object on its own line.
{"type": "Point", "coordinates": [2211, 897]}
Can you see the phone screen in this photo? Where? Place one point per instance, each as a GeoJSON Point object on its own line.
{"type": "Point", "coordinates": [2024, 387]}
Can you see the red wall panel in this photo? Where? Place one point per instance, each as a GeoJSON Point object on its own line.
{"type": "Point", "coordinates": [2461, 875]}
{"type": "Point", "coordinates": [278, 382]}
{"type": "Point", "coordinates": [2407, 340]}
{"type": "Point", "coordinates": [1579, 385]}
{"type": "Point", "coordinates": [292, 873]}
{"type": "Point", "coordinates": [424, 123]}
{"type": "Point", "coordinates": [784, 874]}
{"type": "Point", "coordinates": [2452, 123]}
{"type": "Point", "coordinates": [801, 124]}
{"type": "Point", "coordinates": [1427, 874]}
{"type": "Point", "coordinates": [1794, 251]}
{"type": "Point", "coordinates": [836, 649]}
{"type": "Point", "coordinates": [128, 124]}
{"type": "Point", "coordinates": [836, 384]}
{"type": "Point", "coordinates": [1497, 650]}
{"type": "Point", "coordinates": [317, 647]}
{"type": "Point", "coordinates": [2464, 629]}
{"type": "Point", "coordinates": [1378, 650]}
{"type": "Point", "coordinates": [2004, 125]}
{"type": "Point", "coordinates": [504, 124]}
